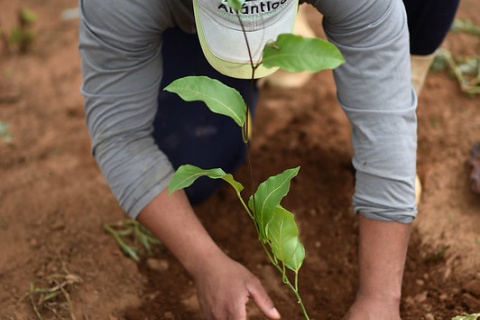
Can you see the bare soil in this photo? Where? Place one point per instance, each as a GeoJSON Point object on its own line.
{"type": "Point", "coordinates": [54, 201]}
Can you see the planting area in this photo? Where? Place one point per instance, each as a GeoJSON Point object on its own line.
{"type": "Point", "coordinates": [58, 262]}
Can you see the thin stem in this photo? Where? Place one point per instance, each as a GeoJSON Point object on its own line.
{"type": "Point", "coordinates": [287, 281]}
{"type": "Point", "coordinates": [246, 207]}
{"type": "Point", "coordinates": [246, 140]}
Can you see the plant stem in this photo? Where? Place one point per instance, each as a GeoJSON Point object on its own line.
{"type": "Point", "coordinates": [287, 281]}
{"type": "Point", "coordinates": [246, 140]}
{"type": "Point", "coordinates": [246, 207]}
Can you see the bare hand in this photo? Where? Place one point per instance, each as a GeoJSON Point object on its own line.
{"type": "Point", "coordinates": [224, 289]}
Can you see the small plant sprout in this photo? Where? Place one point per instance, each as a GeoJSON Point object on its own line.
{"type": "Point", "coordinates": [55, 295]}
{"type": "Point", "coordinates": [22, 34]}
{"type": "Point", "coordinates": [275, 225]}
{"type": "Point", "coordinates": [466, 69]}
{"type": "Point", "coordinates": [132, 238]}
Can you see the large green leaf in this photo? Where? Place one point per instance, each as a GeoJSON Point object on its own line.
{"type": "Point", "coordinates": [219, 97]}
{"type": "Point", "coordinates": [187, 174]}
{"type": "Point", "coordinates": [296, 53]}
{"type": "Point", "coordinates": [269, 195]}
{"type": "Point", "coordinates": [282, 235]}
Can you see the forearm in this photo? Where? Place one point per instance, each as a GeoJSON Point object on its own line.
{"type": "Point", "coordinates": [382, 252]}
{"type": "Point", "coordinates": [173, 221]}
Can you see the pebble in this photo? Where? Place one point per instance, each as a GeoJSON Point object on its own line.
{"type": "Point", "coordinates": [429, 316]}
{"type": "Point", "coordinates": [470, 301]}
{"type": "Point", "coordinates": [158, 265]}
{"type": "Point", "coordinates": [473, 287]}
{"type": "Point", "coordinates": [191, 303]}
{"type": "Point", "coordinates": [421, 297]}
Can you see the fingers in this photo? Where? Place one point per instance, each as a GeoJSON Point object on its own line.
{"type": "Point", "coordinates": [262, 300]}
{"type": "Point", "coordinates": [239, 312]}
{"type": "Point", "coordinates": [224, 292]}
{"type": "Point", "coordinates": [233, 310]}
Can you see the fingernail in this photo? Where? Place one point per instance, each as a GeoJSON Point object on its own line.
{"type": "Point", "coordinates": [275, 313]}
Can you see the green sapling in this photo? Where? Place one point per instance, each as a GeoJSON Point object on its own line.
{"type": "Point", "coordinates": [275, 225]}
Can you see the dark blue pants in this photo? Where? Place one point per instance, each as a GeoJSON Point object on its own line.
{"type": "Point", "coordinates": [428, 23]}
{"type": "Point", "coordinates": [188, 132]}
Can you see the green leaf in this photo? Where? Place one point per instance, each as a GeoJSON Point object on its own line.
{"type": "Point", "coordinates": [219, 97]}
{"type": "Point", "coordinates": [236, 4]}
{"type": "Point", "coordinates": [282, 234]}
{"type": "Point", "coordinates": [295, 53]}
{"type": "Point", "coordinates": [130, 252]}
{"type": "Point", "coordinates": [269, 195]}
{"type": "Point", "coordinates": [475, 316]}
{"type": "Point", "coordinates": [187, 174]}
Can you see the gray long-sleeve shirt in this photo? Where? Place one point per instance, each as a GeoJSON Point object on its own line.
{"type": "Point", "coordinates": [120, 45]}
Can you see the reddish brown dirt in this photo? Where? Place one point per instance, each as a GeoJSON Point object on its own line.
{"type": "Point", "coordinates": [54, 202]}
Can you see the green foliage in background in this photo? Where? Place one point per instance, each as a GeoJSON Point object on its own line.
{"type": "Point", "coordinates": [5, 134]}
{"type": "Point", "coordinates": [465, 69]}
{"type": "Point", "coordinates": [22, 34]}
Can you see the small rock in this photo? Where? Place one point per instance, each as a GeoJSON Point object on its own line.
{"type": "Point", "coordinates": [421, 297]}
{"type": "Point", "coordinates": [473, 287]}
{"type": "Point", "coordinates": [471, 302]}
{"type": "Point", "coordinates": [409, 300]}
{"type": "Point", "coordinates": [429, 316]}
{"type": "Point", "coordinates": [191, 303]}
{"type": "Point", "coordinates": [168, 315]}
{"type": "Point", "coordinates": [157, 265]}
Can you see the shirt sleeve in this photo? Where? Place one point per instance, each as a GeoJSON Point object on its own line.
{"type": "Point", "coordinates": [120, 46]}
{"type": "Point", "coordinates": [374, 89]}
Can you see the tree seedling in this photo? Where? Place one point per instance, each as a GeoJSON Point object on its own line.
{"type": "Point", "coordinates": [275, 225]}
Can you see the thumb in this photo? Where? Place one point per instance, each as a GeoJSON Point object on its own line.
{"type": "Point", "coordinates": [263, 301]}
